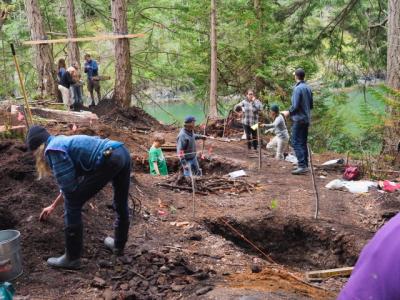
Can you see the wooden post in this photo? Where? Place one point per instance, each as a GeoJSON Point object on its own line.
{"type": "Point", "coordinates": [259, 146]}
{"type": "Point", "coordinates": [193, 192]}
{"type": "Point", "coordinates": [223, 132]}
{"type": "Point", "coordinates": [204, 133]}
{"type": "Point", "coordinates": [21, 82]}
{"type": "Point", "coordinates": [314, 183]}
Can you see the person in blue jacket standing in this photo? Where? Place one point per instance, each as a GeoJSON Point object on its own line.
{"type": "Point", "coordinates": [92, 70]}
{"type": "Point", "coordinates": [82, 165]}
{"type": "Point", "coordinates": [300, 114]}
{"type": "Point", "coordinates": [186, 148]}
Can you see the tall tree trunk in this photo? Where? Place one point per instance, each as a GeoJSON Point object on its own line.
{"type": "Point", "coordinates": [43, 53]}
{"type": "Point", "coordinates": [259, 54]}
{"type": "Point", "coordinates": [123, 68]}
{"type": "Point", "coordinates": [3, 17]}
{"type": "Point", "coordinates": [73, 49]}
{"type": "Point", "coordinates": [392, 130]}
{"type": "Point", "coordinates": [213, 110]}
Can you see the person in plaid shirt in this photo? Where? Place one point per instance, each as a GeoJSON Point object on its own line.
{"type": "Point", "coordinates": [250, 108]}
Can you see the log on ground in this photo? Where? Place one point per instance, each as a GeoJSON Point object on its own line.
{"type": "Point", "coordinates": [81, 117]}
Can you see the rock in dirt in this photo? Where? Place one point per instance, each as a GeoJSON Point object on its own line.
{"type": "Point", "coordinates": [203, 290]}
{"type": "Point", "coordinates": [164, 269]}
{"type": "Point", "coordinates": [102, 263]}
{"type": "Point", "coordinates": [195, 237]}
{"type": "Point", "coordinates": [177, 287]}
{"type": "Point", "coordinates": [107, 295]}
{"type": "Point", "coordinates": [256, 268]}
{"type": "Point", "coordinates": [98, 282]}
{"type": "Point", "coordinates": [201, 276]}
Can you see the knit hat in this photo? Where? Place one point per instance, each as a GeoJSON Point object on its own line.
{"type": "Point", "coordinates": [189, 119]}
{"type": "Point", "coordinates": [36, 136]}
{"type": "Point", "coordinates": [275, 108]}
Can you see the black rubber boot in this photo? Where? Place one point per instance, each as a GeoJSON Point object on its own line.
{"type": "Point", "coordinates": [73, 249]}
{"type": "Point", "coordinates": [76, 106]}
{"type": "Point", "coordinates": [117, 244]}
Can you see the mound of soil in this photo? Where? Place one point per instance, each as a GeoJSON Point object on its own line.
{"type": "Point", "coordinates": [132, 117]}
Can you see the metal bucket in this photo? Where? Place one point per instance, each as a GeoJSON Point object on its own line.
{"type": "Point", "coordinates": [10, 255]}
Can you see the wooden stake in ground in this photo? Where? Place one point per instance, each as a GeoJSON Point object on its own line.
{"type": "Point", "coordinates": [193, 192]}
{"type": "Point", "coordinates": [28, 115]}
{"type": "Point", "coordinates": [259, 146]}
{"type": "Point", "coordinates": [204, 133]}
{"type": "Point", "coordinates": [314, 183]}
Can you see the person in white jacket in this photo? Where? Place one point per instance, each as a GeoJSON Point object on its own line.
{"type": "Point", "coordinates": [278, 127]}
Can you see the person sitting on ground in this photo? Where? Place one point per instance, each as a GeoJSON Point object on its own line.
{"type": "Point", "coordinates": [92, 71]}
{"type": "Point", "coordinates": [65, 83]}
{"type": "Point", "coordinates": [250, 108]}
{"type": "Point", "coordinates": [82, 165]}
{"type": "Point", "coordinates": [186, 148]}
{"type": "Point", "coordinates": [157, 162]}
{"type": "Point", "coordinates": [77, 87]}
{"type": "Point", "coordinates": [376, 273]}
{"type": "Point", "coordinates": [278, 127]}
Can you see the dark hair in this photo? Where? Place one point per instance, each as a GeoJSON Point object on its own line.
{"type": "Point", "coordinates": [87, 55]}
{"type": "Point", "coordinates": [249, 90]}
{"type": "Point", "coordinates": [300, 74]}
{"type": "Point", "coordinates": [61, 63]}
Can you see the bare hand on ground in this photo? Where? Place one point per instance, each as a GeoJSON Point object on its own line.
{"type": "Point", "coordinates": [46, 212]}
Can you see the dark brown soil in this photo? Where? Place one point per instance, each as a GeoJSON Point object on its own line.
{"type": "Point", "coordinates": [147, 272]}
{"type": "Point", "coordinates": [168, 261]}
{"type": "Point", "coordinates": [133, 117]}
{"type": "Point", "coordinates": [295, 241]}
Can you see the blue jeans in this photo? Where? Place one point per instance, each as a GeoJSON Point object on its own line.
{"type": "Point", "coordinates": [299, 143]}
{"type": "Point", "coordinates": [77, 92]}
{"type": "Point", "coordinates": [115, 168]}
{"type": "Point", "coordinates": [194, 166]}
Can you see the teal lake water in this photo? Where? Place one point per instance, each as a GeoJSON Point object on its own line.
{"type": "Point", "coordinates": [169, 113]}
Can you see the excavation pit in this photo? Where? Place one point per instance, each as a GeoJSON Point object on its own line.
{"type": "Point", "coordinates": [296, 242]}
{"type": "Point", "coordinates": [210, 166]}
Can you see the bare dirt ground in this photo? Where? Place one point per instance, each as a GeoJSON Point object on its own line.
{"type": "Point", "coordinates": [172, 254]}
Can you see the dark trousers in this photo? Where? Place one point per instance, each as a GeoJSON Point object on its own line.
{"type": "Point", "coordinates": [299, 143]}
{"type": "Point", "coordinates": [77, 92]}
{"type": "Point", "coordinates": [115, 168]}
{"type": "Point", "coordinates": [194, 167]}
{"type": "Point", "coordinates": [251, 136]}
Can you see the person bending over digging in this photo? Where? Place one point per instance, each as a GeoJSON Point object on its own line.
{"type": "Point", "coordinates": [186, 148]}
{"type": "Point", "coordinates": [82, 165]}
{"type": "Point", "coordinates": [157, 163]}
{"type": "Point", "coordinates": [278, 127]}
{"type": "Point", "coordinates": [250, 108]}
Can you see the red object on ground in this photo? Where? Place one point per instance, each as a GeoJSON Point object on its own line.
{"type": "Point", "coordinates": [389, 186]}
{"type": "Point", "coordinates": [351, 173]}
